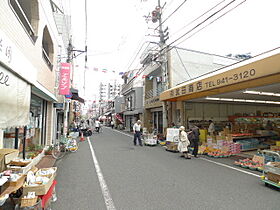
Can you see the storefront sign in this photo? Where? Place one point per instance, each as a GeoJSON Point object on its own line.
{"type": "Point", "coordinates": [14, 100]}
{"type": "Point", "coordinates": [5, 50]}
{"type": "Point", "coordinates": [240, 73]}
{"type": "Point", "coordinates": [58, 105]}
{"type": "Point", "coordinates": [152, 102]}
{"type": "Point", "coordinates": [12, 57]}
{"type": "Point", "coordinates": [64, 80]}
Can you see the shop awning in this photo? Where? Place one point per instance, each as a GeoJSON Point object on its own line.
{"type": "Point", "coordinates": [75, 95]}
{"type": "Point", "coordinates": [259, 71]}
{"type": "Point", "coordinates": [118, 117]}
{"type": "Point", "coordinates": [107, 113]}
{"type": "Point", "coordinates": [44, 93]}
{"type": "Point", "coordinates": [15, 97]}
{"type": "Point", "coordinates": [137, 111]}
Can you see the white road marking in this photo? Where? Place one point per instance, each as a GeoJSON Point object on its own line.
{"type": "Point", "coordinates": [217, 163]}
{"type": "Point", "coordinates": [105, 191]}
{"type": "Point", "coordinates": [224, 165]}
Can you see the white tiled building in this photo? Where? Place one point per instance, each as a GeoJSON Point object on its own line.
{"type": "Point", "coordinates": [30, 46]}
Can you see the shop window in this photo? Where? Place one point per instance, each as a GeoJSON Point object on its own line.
{"type": "Point", "coordinates": [47, 48]}
{"type": "Point", "coordinates": [27, 12]}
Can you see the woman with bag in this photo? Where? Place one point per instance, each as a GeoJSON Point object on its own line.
{"type": "Point", "coordinates": [183, 143]}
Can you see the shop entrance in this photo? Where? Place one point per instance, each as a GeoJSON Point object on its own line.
{"type": "Point", "coordinates": [158, 121]}
{"type": "Point", "coordinates": [38, 118]}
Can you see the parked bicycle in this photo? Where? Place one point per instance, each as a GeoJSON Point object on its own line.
{"type": "Point", "coordinates": [65, 144]}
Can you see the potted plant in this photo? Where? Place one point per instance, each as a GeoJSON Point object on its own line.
{"type": "Point", "coordinates": [48, 151]}
{"type": "Point", "coordinates": [38, 148]}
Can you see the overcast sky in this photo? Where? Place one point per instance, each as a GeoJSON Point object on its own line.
{"type": "Point", "coordinates": [116, 30]}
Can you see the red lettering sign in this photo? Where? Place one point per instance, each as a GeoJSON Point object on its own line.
{"type": "Point", "coordinates": [64, 80]}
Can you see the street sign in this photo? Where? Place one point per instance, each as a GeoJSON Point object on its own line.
{"type": "Point", "coordinates": [58, 105]}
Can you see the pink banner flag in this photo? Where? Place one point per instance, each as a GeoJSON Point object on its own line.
{"type": "Point", "coordinates": [64, 80]}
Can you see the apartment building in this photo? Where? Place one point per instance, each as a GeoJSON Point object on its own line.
{"type": "Point", "coordinates": [30, 46]}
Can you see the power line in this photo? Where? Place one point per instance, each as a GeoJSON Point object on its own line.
{"type": "Point", "coordinates": [196, 27]}
{"type": "Point", "coordinates": [199, 17]}
{"type": "Point", "coordinates": [199, 25]}
{"type": "Point", "coordinates": [172, 13]}
{"type": "Point", "coordinates": [212, 22]}
{"type": "Point", "coordinates": [202, 22]}
{"type": "Point", "coordinates": [141, 43]}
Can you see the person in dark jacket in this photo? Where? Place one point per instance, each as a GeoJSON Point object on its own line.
{"type": "Point", "coordinates": [195, 139]}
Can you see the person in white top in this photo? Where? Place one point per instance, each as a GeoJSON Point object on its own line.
{"type": "Point", "coordinates": [184, 142]}
{"type": "Point", "coordinates": [211, 128]}
{"type": "Point", "coordinates": [97, 125]}
{"type": "Point", "coordinates": [137, 133]}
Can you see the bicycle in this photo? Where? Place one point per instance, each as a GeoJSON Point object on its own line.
{"type": "Point", "coordinates": [65, 144]}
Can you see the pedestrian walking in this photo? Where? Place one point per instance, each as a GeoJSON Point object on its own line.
{"type": "Point", "coordinates": [183, 143]}
{"type": "Point", "coordinates": [211, 128]}
{"type": "Point", "coordinates": [137, 133]}
{"type": "Point", "coordinates": [194, 137]}
{"type": "Point", "coordinates": [112, 124]}
{"type": "Point", "coordinates": [97, 125]}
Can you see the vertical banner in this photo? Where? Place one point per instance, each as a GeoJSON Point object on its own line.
{"type": "Point", "coordinates": [64, 79]}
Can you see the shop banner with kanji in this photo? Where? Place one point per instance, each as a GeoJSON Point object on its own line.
{"type": "Point", "coordinates": [64, 79]}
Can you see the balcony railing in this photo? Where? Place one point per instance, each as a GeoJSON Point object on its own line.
{"type": "Point", "coordinates": [46, 58]}
{"type": "Point", "coordinates": [150, 93]}
{"type": "Point", "coordinates": [21, 14]}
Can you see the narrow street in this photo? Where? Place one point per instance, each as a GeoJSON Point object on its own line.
{"type": "Point", "coordinates": [151, 178]}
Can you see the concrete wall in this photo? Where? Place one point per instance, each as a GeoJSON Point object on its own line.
{"type": "Point", "coordinates": [118, 104]}
{"type": "Point", "coordinates": [138, 98]}
{"type": "Point", "coordinates": [187, 64]}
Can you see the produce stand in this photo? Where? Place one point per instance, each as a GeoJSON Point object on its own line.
{"type": "Point", "coordinates": [149, 139]}
{"type": "Point", "coordinates": [271, 172]}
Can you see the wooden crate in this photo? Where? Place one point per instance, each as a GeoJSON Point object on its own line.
{"type": "Point", "coordinates": [273, 177]}
{"type": "Point", "coordinates": [26, 202]}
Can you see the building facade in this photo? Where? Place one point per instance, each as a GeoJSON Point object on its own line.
{"type": "Point", "coordinates": [182, 65]}
{"type": "Point", "coordinates": [29, 49]}
{"type": "Point", "coordinates": [132, 91]}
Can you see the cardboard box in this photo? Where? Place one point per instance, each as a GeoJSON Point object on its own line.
{"type": "Point", "coordinates": [275, 148]}
{"type": "Point", "coordinates": [20, 180]}
{"type": "Point", "coordinates": [6, 156]}
{"type": "Point", "coordinates": [22, 170]}
{"type": "Point", "coordinates": [9, 154]}
{"type": "Point", "coordinates": [273, 177]}
{"type": "Point", "coordinates": [172, 146]}
{"type": "Point", "coordinates": [220, 138]}
{"type": "Point", "coordinates": [40, 189]}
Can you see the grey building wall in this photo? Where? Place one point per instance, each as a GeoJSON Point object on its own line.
{"type": "Point", "coordinates": [185, 64]}
{"type": "Point", "coordinates": [118, 102]}
{"type": "Point", "coordinates": [138, 98]}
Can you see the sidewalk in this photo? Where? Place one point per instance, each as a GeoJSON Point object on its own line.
{"type": "Point", "coordinates": [46, 162]}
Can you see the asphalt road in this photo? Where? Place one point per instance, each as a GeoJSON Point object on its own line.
{"type": "Point", "coordinates": [149, 178]}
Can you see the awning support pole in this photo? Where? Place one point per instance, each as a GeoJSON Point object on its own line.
{"type": "Point", "coordinates": [16, 138]}
{"type": "Point", "coordinates": [24, 142]}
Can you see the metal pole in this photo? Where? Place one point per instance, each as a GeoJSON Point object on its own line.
{"type": "Point", "coordinates": [163, 60]}
{"type": "Point", "coordinates": [24, 142]}
{"type": "Point", "coordinates": [16, 138]}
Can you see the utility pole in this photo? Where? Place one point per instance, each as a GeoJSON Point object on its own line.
{"type": "Point", "coordinates": [162, 57]}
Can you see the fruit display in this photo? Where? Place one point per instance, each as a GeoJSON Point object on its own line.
{"type": "Point", "coordinates": [250, 164]}
{"type": "Point", "coordinates": [219, 154]}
